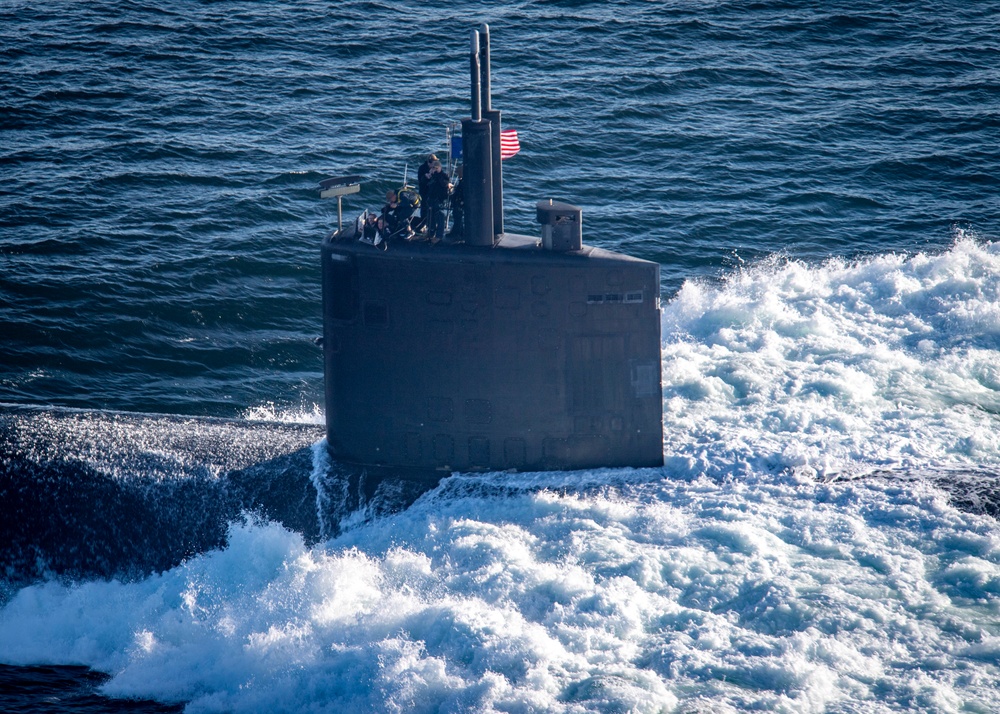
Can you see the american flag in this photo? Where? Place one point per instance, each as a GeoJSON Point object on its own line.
{"type": "Point", "coordinates": [509, 144]}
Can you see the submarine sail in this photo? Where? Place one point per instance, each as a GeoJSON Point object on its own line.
{"type": "Point", "coordinates": [499, 352]}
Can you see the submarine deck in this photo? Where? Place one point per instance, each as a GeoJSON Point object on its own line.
{"type": "Point", "coordinates": [511, 247]}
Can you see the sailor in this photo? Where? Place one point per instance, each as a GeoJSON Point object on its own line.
{"type": "Point", "coordinates": [423, 177]}
{"type": "Point", "coordinates": [406, 221]}
{"type": "Point", "coordinates": [438, 188]}
{"type": "Point", "coordinates": [370, 231]}
{"type": "Point", "coordinates": [395, 224]}
{"type": "Point", "coordinates": [389, 209]}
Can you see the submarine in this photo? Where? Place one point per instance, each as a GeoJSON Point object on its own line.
{"type": "Point", "coordinates": [498, 352]}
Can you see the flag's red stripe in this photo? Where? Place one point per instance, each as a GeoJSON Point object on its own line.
{"type": "Point", "coordinates": [509, 145]}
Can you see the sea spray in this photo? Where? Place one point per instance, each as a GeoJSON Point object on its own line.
{"type": "Point", "coordinates": [110, 494]}
{"type": "Point", "coordinates": [776, 593]}
{"type": "Point", "coordinates": [885, 362]}
{"type": "Point", "coordinates": [325, 500]}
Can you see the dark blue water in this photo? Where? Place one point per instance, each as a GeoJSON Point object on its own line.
{"type": "Point", "coordinates": [160, 219]}
{"type": "Point", "coordinates": [158, 212]}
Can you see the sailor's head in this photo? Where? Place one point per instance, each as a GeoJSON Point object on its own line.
{"type": "Point", "coordinates": [390, 197]}
{"type": "Point", "coordinates": [431, 158]}
{"type": "Point", "coordinates": [435, 165]}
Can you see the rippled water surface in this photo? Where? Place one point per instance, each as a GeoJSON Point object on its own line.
{"type": "Point", "coordinates": [158, 208]}
{"type": "Point", "coordinates": [819, 183]}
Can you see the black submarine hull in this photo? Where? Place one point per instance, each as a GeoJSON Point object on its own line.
{"type": "Point", "coordinates": [444, 358]}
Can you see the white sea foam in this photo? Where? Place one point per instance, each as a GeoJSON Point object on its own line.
{"type": "Point", "coordinates": [269, 411]}
{"type": "Point", "coordinates": [778, 594]}
{"type": "Point", "coordinates": [158, 447]}
{"type": "Point", "coordinates": [891, 361]}
{"type": "Point", "coordinates": [731, 580]}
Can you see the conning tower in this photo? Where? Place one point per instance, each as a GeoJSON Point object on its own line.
{"type": "Point", "coordinates": [503, 352]}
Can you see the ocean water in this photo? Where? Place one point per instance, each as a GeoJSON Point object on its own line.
{"type": "Point", "coordinates": [819, 184]}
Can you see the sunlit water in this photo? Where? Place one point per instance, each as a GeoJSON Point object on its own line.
{"type": "Point", "coordinates": [819, 185]}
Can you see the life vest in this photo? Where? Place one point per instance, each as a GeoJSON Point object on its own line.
{"type": "Point", "coordinates": [408, 195]}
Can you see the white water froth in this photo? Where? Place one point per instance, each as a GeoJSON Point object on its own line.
{"type": "Point", "coordinates": [122, 445]}
{"type": "Point", "coordinates": [667, 595]}
{"type": "Point", "coordinates": [730, 580]}
{"type": "Point", "coordinates": [269, 411]}
{"type": "Point", "coordinates": [889, 362]}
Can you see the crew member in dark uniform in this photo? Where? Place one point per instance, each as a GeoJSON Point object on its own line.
{"type": "Point", "coordinates": [369, 231]}
{"type": "Point", "coordinates": [423, 177]}
{"type": "Point", "coordinates": [408, 202]}
{"type": "Point", "coordinates": [391, 218]}
{"type": "Point", "coordinates": [391, 203]}
{"type": "Point", "coordinates": [438, 188]}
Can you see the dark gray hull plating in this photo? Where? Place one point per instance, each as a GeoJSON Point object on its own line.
{"type": "Point", "coordinates": [457, 358]}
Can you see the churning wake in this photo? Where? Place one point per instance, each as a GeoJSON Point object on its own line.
{"type": "Point", "coordinates": [887, 363]}
{"type": "Point", "coordinates": [812, 544]}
